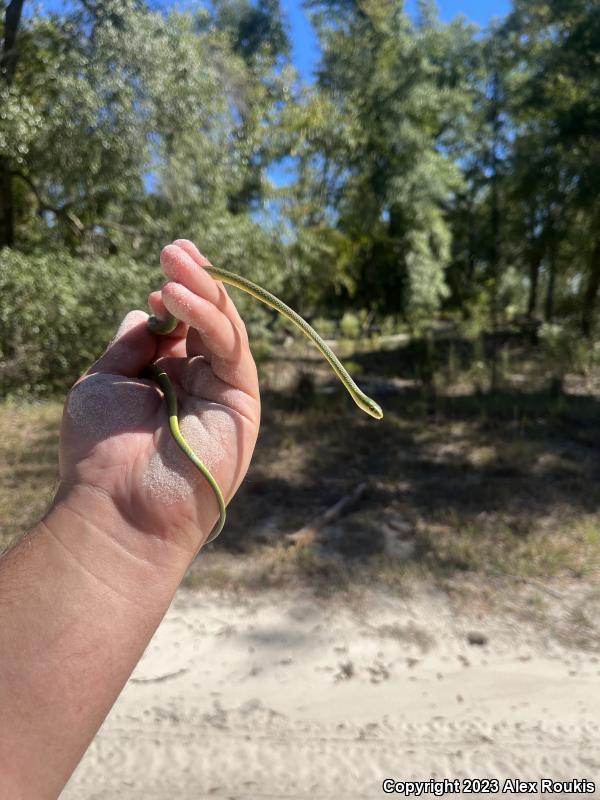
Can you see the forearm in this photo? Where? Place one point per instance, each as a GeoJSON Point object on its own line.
{"type": "Point", "coordinates": [78, 607]}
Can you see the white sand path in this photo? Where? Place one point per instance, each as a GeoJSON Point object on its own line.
{"type": "Point", "coordinates": [285, 696]}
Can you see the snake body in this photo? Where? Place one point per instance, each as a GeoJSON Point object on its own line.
{"type": "Point", "coordinates": [158, 375]}
{"type": "Point", "coordinates": [168, 325]}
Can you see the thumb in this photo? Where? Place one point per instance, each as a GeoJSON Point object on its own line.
{"type": "Point", "coordinates": [132, 348]}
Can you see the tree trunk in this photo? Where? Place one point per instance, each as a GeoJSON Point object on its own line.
{"type": "Point", "coordinates": [551, 259]}
{"type": "Point", "coordinates": [9, 56]}
{"type": "Point", "coordinates": [7, 214]}
{"type": "Point", "coordinates": [590, 295]}
{"type": "Point", "coordinates": [471, 244]}
{"type": "Point", "coordinates": [495, 255]}
{"type": "Point", "coordinates": [549, 305]}
{"type": "Point", "coordinates": [534, 276]}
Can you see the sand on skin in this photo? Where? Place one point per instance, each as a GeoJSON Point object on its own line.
{"type": "Point", "coordinates": [285, 696]}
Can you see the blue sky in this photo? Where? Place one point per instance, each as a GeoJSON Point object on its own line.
{"type": "Point", "coordinates": [306, 51]}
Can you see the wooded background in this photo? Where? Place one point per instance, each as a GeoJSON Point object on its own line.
{"type": "Point", "coordinates": [432, 172]}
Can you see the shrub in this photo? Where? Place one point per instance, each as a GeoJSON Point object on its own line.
{"type": "Point", "coordinates": [350, 325]}
{"type": "Point", "coordinates": [58, 313]}
{"type": "Point", "coordinates": [325, 327]}
{"type": "Point", "coordinates": [566, 350]}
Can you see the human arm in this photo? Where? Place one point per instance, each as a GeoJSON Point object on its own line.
{"type": "Point", "coordinates": [83, 592]}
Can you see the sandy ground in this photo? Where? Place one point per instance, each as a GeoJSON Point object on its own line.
{"type": "Point", "coordinates": [286, 696]}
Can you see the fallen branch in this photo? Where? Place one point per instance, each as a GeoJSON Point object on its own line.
{"type": "Point", "coordinates": [306, 535]}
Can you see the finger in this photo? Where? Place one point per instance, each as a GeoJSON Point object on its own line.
{"type": "Point", "coordinates": [192, 251]}
{"type": "Point", "coordinates": [159, 309]}
{"type": "Point", "coordinates": [217, 331]}
{"type": "Point", "coordinates": [195, 345]}
{"type": "Point", "coordinates": [228, 350]}
{"type": "Point", "coordinates": [202, 261]}
{"type": "Point", "coordinates": [180, 262]}
{"type": "Point", "coordinates": [174, 343]}
{"type": "Point", "coordinates": [132, 348]}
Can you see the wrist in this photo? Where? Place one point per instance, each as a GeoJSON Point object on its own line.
{"type": "Point", "coordinates": [109, 545]}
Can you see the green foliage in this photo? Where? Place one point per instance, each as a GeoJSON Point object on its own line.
{"type": "Point", "coordinates": [20, 122]}
{"type": "Point", "coordinates": [58, 313]}
{"type": "Point", "coordinates": [374, 152]}
{"type": "Point", "coordinates": [325, 327]}
{"type": "Point", "coordinates": [566, 350]}
{"type": "Point", "coordinates": [434, 168]}
{"type": "Point", "coordinates": [350, 326]}
{"type": "Point", "coordinates": [512, 294]}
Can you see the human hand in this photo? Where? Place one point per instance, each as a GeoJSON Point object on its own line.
{"type": "Point", "coordinates": [115, 439]}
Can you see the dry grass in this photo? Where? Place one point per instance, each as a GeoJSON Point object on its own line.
{"type": "Point", "coordinates": [28, 465]}
{"type": "Point", "coordinates": [461, 484]}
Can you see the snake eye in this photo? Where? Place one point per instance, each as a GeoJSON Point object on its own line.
{"type": "Point", "coordinates": [376, 410]}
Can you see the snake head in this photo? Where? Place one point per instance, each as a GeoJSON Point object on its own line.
{"type": "Point", "coordinates": [372, 408]}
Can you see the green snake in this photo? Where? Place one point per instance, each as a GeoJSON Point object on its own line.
{"type": "Point", "coordinates": [168, 325]}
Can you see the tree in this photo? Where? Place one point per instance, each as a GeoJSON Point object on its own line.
{"type": "Point", "coordinates": [123, 126]}
{"type": "Point", "coordinates": [381, 159]}
{"type": "Point", "coordinates": [557, 44]}
{"type": "Point", "coordinates": [9, 57]}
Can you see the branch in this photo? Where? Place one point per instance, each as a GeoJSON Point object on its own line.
{"type": "Point", "coordinates": [10, 54]}
{"type": "Point", "coordinates": [306, 536]}
{"type": "Point", "coordinates": [60, 211]}
{"type": "Point", "coordinates": [89, 7]}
